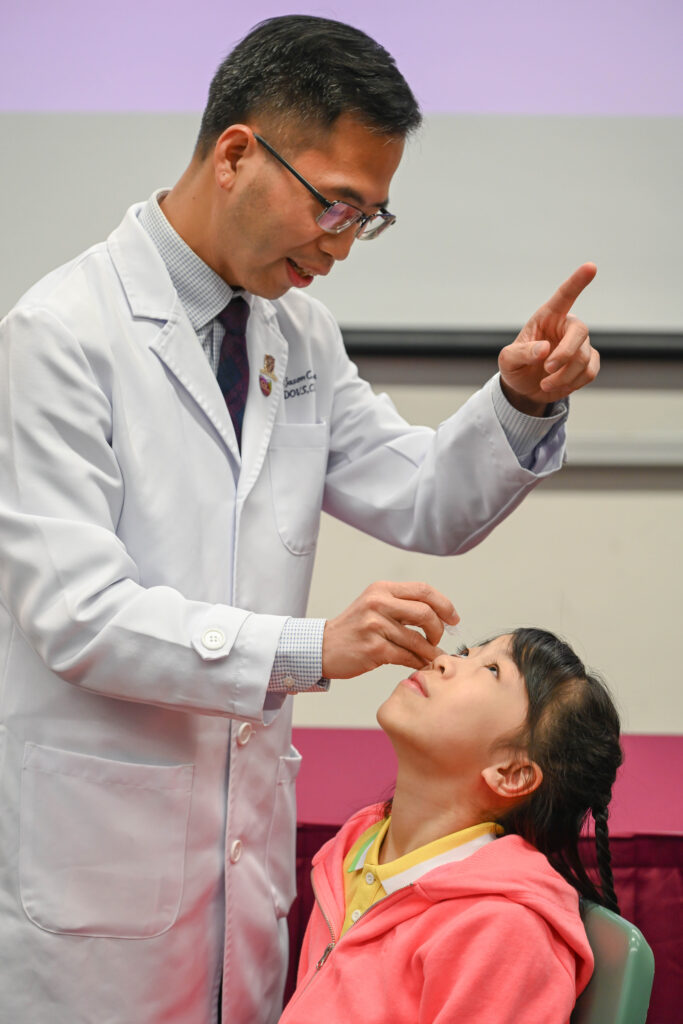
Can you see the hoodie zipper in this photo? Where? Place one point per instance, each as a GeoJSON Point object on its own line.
{"type": "Point", "coordinates": [331, 945]}
{"type": "Point", "coordinates": [326, 953]}
{"type": "Point", "coordinates": [328, 949]}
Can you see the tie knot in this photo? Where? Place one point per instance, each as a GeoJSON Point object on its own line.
{"type": "Point", "coordinates": [234, 317]}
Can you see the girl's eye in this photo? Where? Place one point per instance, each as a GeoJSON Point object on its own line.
{"type": "Point", "coordinates": [493, 668]}
{"type": "Point", "coordinates": [463, 652]}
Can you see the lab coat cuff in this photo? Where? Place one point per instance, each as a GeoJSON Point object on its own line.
{"type": "Point", "coordinates": [525, 432]}
{"type": "Point", "coordinates": [214, 635]}
{"type": "Point", "coordinates": [537, 442]}
{"type": "Point", "coordinates": [248, 643]}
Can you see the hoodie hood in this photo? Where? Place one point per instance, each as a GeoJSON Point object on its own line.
{"type": "Point", "coordinates": [513, 869]}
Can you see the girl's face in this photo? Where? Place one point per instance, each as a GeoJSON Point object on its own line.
{"type": "Point", "coordinates": [452, 715]}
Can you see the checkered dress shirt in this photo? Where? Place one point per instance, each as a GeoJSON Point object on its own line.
{"type": "Point", "coordinates": [298, 661]}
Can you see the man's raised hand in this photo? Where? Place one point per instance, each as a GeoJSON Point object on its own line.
{"type": "Point", "coordinates": [552, 355]}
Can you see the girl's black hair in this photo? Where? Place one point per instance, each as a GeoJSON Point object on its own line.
{"type": "Point", "coordinates": [572, 733]}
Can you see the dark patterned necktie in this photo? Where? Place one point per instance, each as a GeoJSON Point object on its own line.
{"type": "Point", "coordinates": [233, 367]}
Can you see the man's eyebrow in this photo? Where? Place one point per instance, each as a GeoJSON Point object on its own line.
{"type": "Point", "coordinates": [346, 192]}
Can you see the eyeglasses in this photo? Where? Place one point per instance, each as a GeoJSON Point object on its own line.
{"type": "Point", "coordinates": [337, 216]}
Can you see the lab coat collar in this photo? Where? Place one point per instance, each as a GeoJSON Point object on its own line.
{"type": "Point", "coordinates": [152, 297]}
{"type": "Point", "coordinates": [141, 269]}
{"type": "Point", "coordinates": [264, 337]}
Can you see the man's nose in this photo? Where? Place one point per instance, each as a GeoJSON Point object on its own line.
{"type": "Point", "coordinates": [338, 246]}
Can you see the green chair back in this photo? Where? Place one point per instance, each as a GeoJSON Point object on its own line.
{"type": "Point", "coordinates": [619, 991]}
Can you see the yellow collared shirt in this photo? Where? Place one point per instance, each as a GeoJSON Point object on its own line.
{"type": "Point", "coordinates": [366, 881]}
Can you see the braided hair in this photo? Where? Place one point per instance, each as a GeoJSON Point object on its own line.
{"type": "Point", "coordinates": [572, 733]}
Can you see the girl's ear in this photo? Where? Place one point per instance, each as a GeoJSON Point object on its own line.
{"type": "Point", "coordinates": [513, 778]}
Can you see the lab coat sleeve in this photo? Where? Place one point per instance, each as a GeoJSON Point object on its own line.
{"type": "Point", "coordinates": [67, 579]}
{"type": "Point", "coordinates": [437, 491]}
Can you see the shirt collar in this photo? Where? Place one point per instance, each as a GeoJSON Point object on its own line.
{"type": "Point", "coordinates": [201, 291]}
{"type": "Point", "coordinates": [405, 870]}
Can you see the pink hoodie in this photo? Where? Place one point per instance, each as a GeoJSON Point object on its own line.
{"type": "Point", "coordinates": [493, 939]}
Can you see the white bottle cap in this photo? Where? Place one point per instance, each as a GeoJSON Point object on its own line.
{"type": "Point", "coordinates": [456, 633]}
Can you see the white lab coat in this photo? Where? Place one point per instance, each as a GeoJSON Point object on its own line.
{"type": "Point", "coordinates": [144, 581]}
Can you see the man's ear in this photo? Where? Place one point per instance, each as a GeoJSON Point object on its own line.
{"type": "Point", "coordinates": [231, 146]}
{"type": "Point", "coordinates": [511, 778]}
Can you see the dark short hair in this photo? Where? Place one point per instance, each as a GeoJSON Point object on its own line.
{"type": "Point", "coordinates": [306, 72]}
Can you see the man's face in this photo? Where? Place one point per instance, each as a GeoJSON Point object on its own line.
{"type": "Point", "coordinates": [266, 238]}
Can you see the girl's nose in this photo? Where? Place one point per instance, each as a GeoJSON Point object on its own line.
{"type": "Point", "coordinates": [442, 663]}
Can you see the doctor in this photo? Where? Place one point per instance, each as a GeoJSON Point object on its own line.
{"type": "Point", "coordinates": [158, 540]}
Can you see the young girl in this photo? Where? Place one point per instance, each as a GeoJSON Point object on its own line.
{"type": "Point", "coordinates": [459, 901]}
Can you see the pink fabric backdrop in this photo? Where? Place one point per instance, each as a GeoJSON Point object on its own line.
{"type": "Point", "coordinates": [344, 769]}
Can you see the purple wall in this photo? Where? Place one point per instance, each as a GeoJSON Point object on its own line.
{"type": "Point", "coordinates": [492, 56]}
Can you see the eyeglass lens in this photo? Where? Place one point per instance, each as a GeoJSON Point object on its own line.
{"type": "Point", "coordinates": [339, 216]}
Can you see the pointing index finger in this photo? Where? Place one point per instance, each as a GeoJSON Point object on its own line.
{"type": "Point", "coordinates": [566, 295]}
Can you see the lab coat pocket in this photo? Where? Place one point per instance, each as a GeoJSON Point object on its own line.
{"type": "Point", "coordinates": [281, 851]}
{"type": "Point", "coordinates": [102, 843]}
{"type": "Point", "coordinates": [297, 457]}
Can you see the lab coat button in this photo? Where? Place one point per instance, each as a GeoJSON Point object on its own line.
{"type": "Point", "coordinates": [213, 639]}
{"type": "Point", "coordinates": [244, 733]}
{"type": "Point", "coordinates": [369, 878]}
{"type": "Point", "coordinates": [236, 851]}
